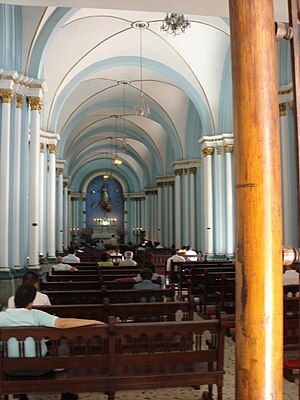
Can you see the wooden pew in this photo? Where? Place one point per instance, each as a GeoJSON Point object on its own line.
{"type": "Point", "coordinates": [118, 356]}
{"type": "Point", "coordinates": [125, 312]}
{"type": "Point", "coordinates": [71, 276]}
{"type": "Point", "coordinates": [69, 285]}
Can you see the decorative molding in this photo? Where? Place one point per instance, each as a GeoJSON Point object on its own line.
{"type": "Point", "coordinates": [219, 150]}
{"type": "Point", "coordinates": [178, 172]}
{"type": "Point", "coordinates": [7, 95]}
{"type": "Point", "coordinates": [160, 184]}
{"type": "Point", "coordinates": [193, 170]}
{"type": "Point", "coordinates": [52, 148]}
{"type": "Point", "coordinates": [228, 148]}
{"type": "Point", "coordinates": [42, 148]}
{"type": "Point", "coordinates": [35, 103]}
{"type": "Point", "coordinates": [292, 104]}
{"type": "Point", "coordinates": [208, 151]}
{"type": "Point", "coordinates": [60, 171]}
{"type": "Point", "coordinates": [185, 171]}
{"type": "Point", "coordinates": [282, 109]}
{"type": "Point", "coordinates": [19, 101]}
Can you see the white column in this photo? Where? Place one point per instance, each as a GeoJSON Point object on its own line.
{"type": "Point", "coordinates": [51, 201]}
{"type": "Point", "coordinates": [209, 248]}
{"type": "Point", "coordinates": [84, 209]}
{"type": "Point", "coordinates": [133, 218]}
{"type": "Point", "coordinates": [147, 214]}
{"type": "Point", "coordinates": [159, 212]}
{"type": "Point", "coordinates": [229, 202]}
{"type": "Point", "coordinates": [186, 220]}
{"type": "Point", "coordinates": [66, 215]}
{"type": "Point", "coordinates": [16, 186]}
{"type": "Point", "coordinates": [125, 219]}
{"type": "Point", "coordinates": [150, 235]}
{"type": "Point", "coordinates": [220, 201]}
{"type": "Point", "coordinates": [192, 207]}
{"type": "Point", "coordinates": [166, 233]}
{"type": "Point", "coordinates": [42, 198]}
{"type": "Point", "coordinates": [286, 177]}
{"type": "Point", "coordinates": [60, 173]}
{"type": "Point", "coordinates": [170, 209]}
{"type": "Point", "coordinates": [178, 173]}
{"type": "Point", "coordinates": [143, 211]}
{"type": "Point", "coordinates": [155, 226]}
{"type": "Point", "coordinates": [34, 180]}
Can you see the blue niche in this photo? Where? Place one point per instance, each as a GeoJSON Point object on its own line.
{"type": "Point", "coordinates": [104, 203]}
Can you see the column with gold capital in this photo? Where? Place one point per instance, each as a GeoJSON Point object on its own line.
{"type": "Point", "coordinates": [171, 208]}
{"type": "Point", "coordinates": [42, 216]}
{"type": "Point", "coordinates": [34, 182]}
{"type": "Point", "coordinates": [208, 206]}
{"type": "Point", "coordinates": [159, 212]}
{"type": "Point", "coordinates": [178, 173]}
{"type": "Point", "coordinates": [51, 208]}
{"type": "Point", "coordinates": [229, 202]}
{"type": "Point", "coordinates": [6, 96]}
{"type": "Point", "coordinates": [192, 207]}
{"type": "Point", "coordinates": [186, 208]}
{"type": "Point", "coordinates": [66, 226]}
{"type": "Point", "coordinates": [17, 180]}
{"type": "Point", "coordinates": [219, 224]}
{"type": "Point", "coordinates": [60, 172]}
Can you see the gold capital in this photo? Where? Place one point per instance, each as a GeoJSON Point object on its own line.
{"type": "Point", "coordinates": [35, 103]}
{"type": "Point", "coordinates": [52, 148]}
{"type": "Point", "coordinates": [160, 184]}
{"type": "Point", "coordinates": [193, 170]}
{"type": "Point", "coordinates": [42, 147]}
{"type": "Point", "coordinates": [19, 100]}
{"type": "Point", "coordinates": [219, 150]}
{"type": "Point", "coordinates": [60, 171]}
{"type": "Point", "coordinates": [292, 104]}
{"type": "Point", "coordinates": [178, 172]}
{"type": "Point", "coordinates": [228, 148]}
{"type": "Point", "coordinates": [7, 95]}
{"type": "Point", "coordinates": [282, 109]}
{"type": "Point", "coordinates": [208, 151]}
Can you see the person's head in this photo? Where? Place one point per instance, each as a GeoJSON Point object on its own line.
{"type": "Point", "coordinates": [112, 236]}
{"type": "Point", "coordinates": [24, 295]}
{"type": "Point", "coordinates": [59, 260]}
{"type": "Point", "coordinates": [30, 278]}
{"type": "Point", "coordinates": [180, 252]}
{"type": "Point", "coordinates": [149, 265]}
{"type": "Point", "coordinates": [72, 251]}
{"type": "Point", "coordinates": [104, 257]}
{"type": "Point", "coordinates": [128, 254]}
{"type": "Point", "coordinates": [146, 274]}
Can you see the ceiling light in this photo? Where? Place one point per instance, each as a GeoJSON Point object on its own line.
{"type": "Point", "coordinates": [175, 24]}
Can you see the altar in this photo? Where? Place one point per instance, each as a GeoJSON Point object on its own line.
{"type": "Point", "coordinates": [104, 232]}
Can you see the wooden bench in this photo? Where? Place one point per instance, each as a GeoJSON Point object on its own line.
{"type": "Point", "coordinates": [69, 285]}
{"type": "Point", "coordinates": [165, 311]}
{"type": "Point", "coordinates": [118, 356]}
{"type": "Point", "coordinates": [71, 276]}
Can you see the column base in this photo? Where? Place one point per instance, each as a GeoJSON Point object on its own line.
{"type": "Point", "coordinates": [209, 257]}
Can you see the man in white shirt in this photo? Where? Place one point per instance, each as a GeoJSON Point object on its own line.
{"type": "Point", "coordinates": [60, 266]}
{"type": "Point", "coordinates": [290, 277]}
{"type": "Point", "coordinates": [113, 241]}
{"type": "Point", "coordinates": [178, 256]}
{"type": "Point", "coordinates": [71, 257]}
{"type": "Point", "coordinates": [30, 278]}
{"type": "Point", "coordinates": [128, 262]}
{"type": "Point", "coordinates": [190, 253]}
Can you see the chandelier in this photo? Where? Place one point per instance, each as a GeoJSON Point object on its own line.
{"type": "Point", "coordinates": [116, 160]}
{"type": "Point", "coordinates": [175, 24]}
{"type": "Point", "coordinates": [141, 107]}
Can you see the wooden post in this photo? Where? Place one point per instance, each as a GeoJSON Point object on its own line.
{"type": "Point", "coordinates": [259, 317]}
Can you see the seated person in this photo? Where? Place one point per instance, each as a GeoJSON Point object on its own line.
{"type": "Point", "coordinates": [290, 276]}
{"type": "Point", "coordinates": [100, 245]}
{"type": "Point", "coordinates": [41, 299]}
{"type": "Point", "coordinates": [178, 256]}
{"type": "Point", "coordinates": [71, 257]}
{"type": "Point", "coordinates": [156, 278]}
{"type": "Point", "coordinates": [192, 254]}
{"type": "Point", "coordinates": [128, 260]}
{"type": "Point", "coordinates": [25, 315]}
{"type": "Point", "coordinates": [146, 275]}
{"type": "Point", "coordinates": [60, 266]}
{"type": "Point", "coordinates": [104, 261]}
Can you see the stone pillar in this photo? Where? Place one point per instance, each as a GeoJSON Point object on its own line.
{"type": "Point", "coordinates": [229, 202]}
{"type": "Point", "coordinates": [51, 201]}
{"type": "Point", "coordinates": [34, 183]}
{"type": "Point", "coordinates": [170, 209]}
{"type": "Point", "coordinates": [84, 209]}
{"type": "Point", "coordinates": [192, 207]}
{"type": "Point", "coordinates": [154, 208]}
{"type": "Point", "coordinates": [42, 202]}
{"type": "Point", "coordinates": [166, 216]}
{"type": "Point", "coordinates": [208, 214]}
{"type": "Point", "coordinates": [220, 248]}
{"type": "Point", "coordinates": [66, 215]}
{"type": "Point", "coordinates": [60, 173]}
{"type": "Point", "coordinates": [186, 219]}
{"type": "Point", "coordinates": [17, 181]}
{"type": "Point", "coordinates": [159, 212]}
{"type": "Point", "coordinates": [125, 219]}
{"type": "Point", "coordinates": [178, 173]}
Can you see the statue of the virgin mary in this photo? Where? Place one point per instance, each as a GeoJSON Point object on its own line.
{"type": "Point", "coordinates": [105, 203]}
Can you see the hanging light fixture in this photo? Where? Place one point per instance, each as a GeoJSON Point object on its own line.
{"type": "Point", "coordinates": [116, 160]}
{"type": "Point", "coordinates": [175, 24]}
{"type": "Point", "coordinates": [106, 172]}
{"type": "Point", "coordinates": [141, 107]}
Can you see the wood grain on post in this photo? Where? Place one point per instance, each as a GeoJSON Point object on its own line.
{"type": "Point", "coordinates": [259, 317]}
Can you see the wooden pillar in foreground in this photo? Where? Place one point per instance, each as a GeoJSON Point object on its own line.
{"type": "Point", "coordinates": [258, 201]}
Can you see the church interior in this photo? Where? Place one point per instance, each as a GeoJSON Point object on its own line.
{"type": "Point", "coordinates": [166, 122]}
